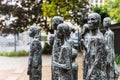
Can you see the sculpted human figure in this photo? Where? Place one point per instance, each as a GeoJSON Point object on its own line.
{"type": "Point", "coordinates": [55, 22]}
{"type": "Point", "coordinates": [74, 52]}
{"type": "Point", "coordinates": [84, 41]}
{"type": "Point", "coordinates": [74, 64]}
{"type": "Point", "coordinates": [35, 60]}
{"type": "Point", "coordinates": [112, 71]}
{"type": "Point", "coordinates": [85, 35]}
{"type": "Point", "coordinates": [67, 33]}
{"type": "Point", "coordinates": [65, 59]}
{"type": "Point", "coordinates": [56, 45]}
{"type": "Point", "coordinates": [96, 50]}
{"type": "Point", "coordinates": [58, 41]}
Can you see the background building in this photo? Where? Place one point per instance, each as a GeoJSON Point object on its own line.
{"type": "Point", "coordinates": [96, 2]}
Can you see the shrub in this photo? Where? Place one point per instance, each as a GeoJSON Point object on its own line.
{"type": "Point", "coordinates": [47, 49]}
{"type": "Point", "coordinates": [14, 54]}
{"type": "Point", "coordinates": [117, 59]}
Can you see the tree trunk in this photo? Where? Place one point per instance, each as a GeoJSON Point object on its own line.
{"type": "Point", "coordinates": [15, 43]}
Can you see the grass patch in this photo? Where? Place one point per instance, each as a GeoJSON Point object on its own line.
{"type": "Point", "coordinates": [43, 38]}
{"type": "Point", "coordinates": [14, 54]}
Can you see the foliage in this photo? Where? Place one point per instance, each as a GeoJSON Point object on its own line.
{"type": "Point", "coordinates": [65, 8]}
{"type": "Point", "coordinates": [114, 9]}
{"type": "Point", "coordinates": [14, 54]}
{"type": "Point", "coordinates": [117, 59]}
{"type": "Point", "coordinates": [47, 49]}
{"type": "Point", "coordinates": [28, 12]}
{"type": "Point", "coordinates": [103, 11]}
{"type": "Point", "coordinates": [49, 9]}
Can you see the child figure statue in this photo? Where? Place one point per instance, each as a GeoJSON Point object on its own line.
{"type": "Point", "coordinates": [112, 70]}
{"type": "Point", "coordinates": [35, 60]}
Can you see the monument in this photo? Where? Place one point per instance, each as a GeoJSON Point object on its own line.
{"type": "Point", "coordinates": [74, 64]}
{"type": "Point", "coordinates": [84, 43]}
{"type": "Point", "coordinates": [57, 42]}
{"type": "Point", "coordinates": [96, 49]}
{"type": "Point", "coordinates": [64, 62]}
{"type": "Point", "coordinates": [85, 35]}
{"type": "Point", "coordinates": [35, 60]}
{"type": "Point", "coordinates": [112, 71]}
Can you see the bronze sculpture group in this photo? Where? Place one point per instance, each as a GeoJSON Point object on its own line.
{"type": "Point", "coordinates": [98, 52]}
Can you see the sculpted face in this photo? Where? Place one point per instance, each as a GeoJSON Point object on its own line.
{"type": "Point", "coordinates": [33, 31]}
{"type": "Point", "coordinates": [60, 31]}
{"type": "Point", "coordinates": [67, 30]}
{"type": "Point", "coordinates": [93, 20]}
{"type": "Point", "coordinates": [106, 22]}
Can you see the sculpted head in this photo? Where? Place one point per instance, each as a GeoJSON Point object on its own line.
{"type": "Point", "coordinates": [67, 30]}
{"type": "Point", "coordinates": [94, 20]}
{"type": "Point", "coordinates": [106, 22]}
{"type": "Point", "coordinates": [33, 31]}
{"type": "Point", "coordinates": [60, 31]}
{"type": "Point", "coordinates": [85, 28]}
{"type": "Point", "coordinates": [56, 21]}
{"type": "Point", "coordinates": [64, 30]}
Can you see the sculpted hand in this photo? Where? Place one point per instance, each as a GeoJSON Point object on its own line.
{"type": "Point", "coordinates": [29, 72]}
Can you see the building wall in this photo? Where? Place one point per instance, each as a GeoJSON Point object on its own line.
{"type": "Point", "coordinates": [96, 2]}
{"type": "Point", "coordinates": [117, 40]}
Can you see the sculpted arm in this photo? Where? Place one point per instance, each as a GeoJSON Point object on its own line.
{"type": "Point", "coordinates": [40, 59]}
{"type": "Point", "coordinates": [113, 46]}
{"type": "Point", "coordinates": [31, 54]}
{"type": "Point", "coordinates": [66, 65]}
{"type": "Point", "coordinates": [30, 60]}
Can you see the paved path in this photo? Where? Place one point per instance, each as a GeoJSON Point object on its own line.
{"type": "Point", "coordinates": [11, 68]}
{"type": "Point", "coordinates": [16, 68]}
